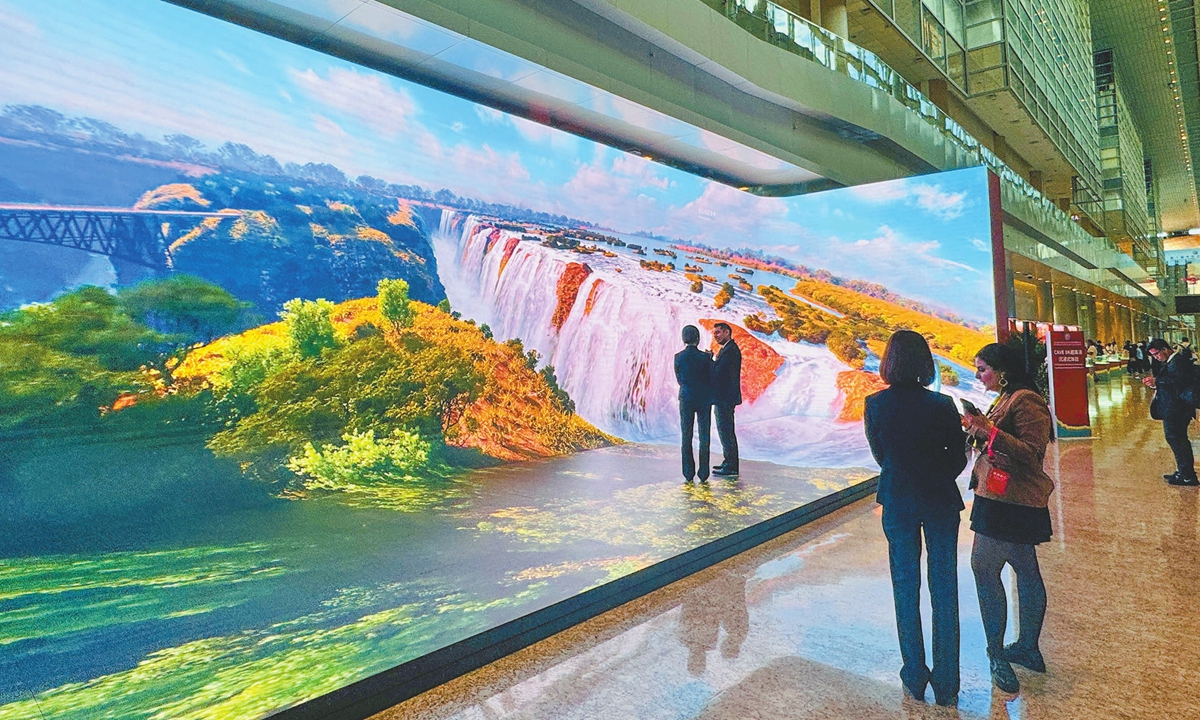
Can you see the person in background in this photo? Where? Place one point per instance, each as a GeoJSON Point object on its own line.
{"type": "Point", "coordinates": [1130, 358]}
{"type": "Point", "coordinates": [1175, 373]}
{"type": "Point", "coordinates": [1155, 365]}
{"type": "Point", "coordinates": [694, 373]}
{"type": "Point", "coordinates": [916, 438]}
{"type": "Point", "coordinates": [1009, 514]}
{"type": "Point", "coordinates": [1185, 349]}
{"type": "Point", "coordinates": [1143, 362]}
{"type": "Point", "coordinates": [727, 381]}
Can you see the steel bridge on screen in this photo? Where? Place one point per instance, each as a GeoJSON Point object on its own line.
{"type": "Point", "coordinates": [139, 237]}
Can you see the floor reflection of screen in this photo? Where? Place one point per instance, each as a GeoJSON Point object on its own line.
{"type": "Point", "coordinates": [306, 371]}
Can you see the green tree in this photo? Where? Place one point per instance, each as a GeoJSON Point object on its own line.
{"type": "Point", "coordinates": [310, 325]}
{"type": "Point", "coordinates": [363, 460]}
{"type": "Point", "coordinates": [75, 354]}
{"type": "Point", "coordinates": [89, 322]}
{"type": "Point", "coordinates": [723, 296]}
{"type": "Point", "coordinates": [394, 304]}
{"type": "Point", "coordinates": [948, 374]}
{"type": "Point", "coordinates": [251, 367]}
{"type": "Point", "coordinates": [532, 358]}
{"type": "Point", "coordinates": [366, 385]}
{"type": "Point", "coordinates": [185, 306]}
{"type": "Point", "coordinates": [36, 381]}
{"type": "Point", "coordinates": [560, 396]}
{"type": "Point", "coordinates": [444, 306]}
{"type": "Point", "coordinates": [845, 348]}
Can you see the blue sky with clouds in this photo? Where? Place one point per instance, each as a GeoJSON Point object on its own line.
{"type": "Point", "coordinates": [151, 67]}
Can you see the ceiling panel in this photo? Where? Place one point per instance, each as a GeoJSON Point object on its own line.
{"type": "Point", "coordinates": [1151, 76]}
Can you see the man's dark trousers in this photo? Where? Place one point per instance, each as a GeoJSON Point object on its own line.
{"type": "Point", "coordinates": [727, 394]}
{"type": "Point", "coordinates": [725, 431]}
{"type": "Point", "coordinates": [903, 532]}
{"type": "Point", "coordinates": [699, 415]}
{"type": "Point", "coordinates": [1175, 429]}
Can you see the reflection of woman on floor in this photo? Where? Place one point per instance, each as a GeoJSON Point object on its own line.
{"type": "Point", "coordinates": [718, 603]}
{"type": "Point", "coordinates": [1009, 515]}
{"type": "Point", "coordinates": [919, 444]}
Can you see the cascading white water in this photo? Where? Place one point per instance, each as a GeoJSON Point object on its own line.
{"type": "Point", "coordinates": [616, 362]}
{"type": "Point", "coordinates": [614, 350]}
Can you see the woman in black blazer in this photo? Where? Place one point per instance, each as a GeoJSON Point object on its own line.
{"type": "Point", "coordinates": [917, 438]}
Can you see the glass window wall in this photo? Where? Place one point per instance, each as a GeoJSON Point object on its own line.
{"type": "Point", "coordinates": [1047, 53]}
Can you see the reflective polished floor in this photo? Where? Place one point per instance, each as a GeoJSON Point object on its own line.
{"type": "Point", "coordinates": [803, 626]}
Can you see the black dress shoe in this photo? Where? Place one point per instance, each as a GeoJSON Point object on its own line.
{"type": "Point", "coordinates": [1171, 476]}
{"type": "Point", "coordinates": [915, 693]}
{"type": "Point", "coordinates": [1030, 659]}
{"type": "Point", "coordinates": [1184, 481]}
{"type": "Point", "coordinates": [725, 472]}
{"type": "Point", "coordinates": [950, 701]}
{"type": "Point", "coordinates": [1003, 676]}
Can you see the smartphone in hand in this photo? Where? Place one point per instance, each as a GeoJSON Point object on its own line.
{"type": "Point", "coordinates": [969, 407]}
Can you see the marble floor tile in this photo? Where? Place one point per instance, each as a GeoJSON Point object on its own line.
{"type": "Point", "coordinates": [803, 626]}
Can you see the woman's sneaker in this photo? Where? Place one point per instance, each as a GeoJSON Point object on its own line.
{"type": "Point", "coordinates": [1003, 676]}
{"type": "Point", "coordinates": [1031, 659]}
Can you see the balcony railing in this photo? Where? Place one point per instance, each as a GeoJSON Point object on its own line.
{"type": "Point", "coordinates": [789, 31]}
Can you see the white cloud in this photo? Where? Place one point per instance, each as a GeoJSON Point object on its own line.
{"type": "Point", "coordinates": [640, 169]}
{"type": "Point", "coordinates": [928, 197]}
{"type": "Point", "coordinates": [617, 190]}
{"type": "Point", "coordinates": [934, 200]}
{"type": "Point", "coordinates": [369, 97]}
{"type": "Point", "coordinates": [532, 131]}
{"type": "Point", "coordinates": [726, 217]}
{"type": "Point", "coordinates": [485, 163]}
{"type": "Point", "coordinates": [325, 126]}
{"type": "Point", "coordinates": [490, 115]}
{"type": "Point", "coordinates": [235, 61]}
{"type": "Point", "coordinates": [889, 249]}
{"type": "Point", "coordinates": [981, 245]}
{"type": "Point", "coordinates": [881, 192]}
{"type": "Point", "coordinates": [911, 267]}
{"type": "Point", "coordinates": [13, 23]}
{"type": "Point", "coordinates": [68, 77]}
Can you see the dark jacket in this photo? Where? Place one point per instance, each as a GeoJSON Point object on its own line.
{"type": "Point", "coordinates": [694, 373]}
{"type": "Point", "coordinates": [727, 371]}
{"type": "Point", "coordinates": [1170, 381]}
{"type": "Point", "coordinates": [917, 439]}
{"type": "Point", "coordinates": [1023, 430]}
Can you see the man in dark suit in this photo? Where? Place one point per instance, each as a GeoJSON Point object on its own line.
{"type": "Point", "coordinates": [694, 373]}
{"type": "Point", "coordinates": [1172, 379]}
{"type": "Point", "coordinates": [727, 387]}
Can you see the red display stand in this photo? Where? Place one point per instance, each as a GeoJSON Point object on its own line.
{"type": "Point", "coordinates": [1067, 357]}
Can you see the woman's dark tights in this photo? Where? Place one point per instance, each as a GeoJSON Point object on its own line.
{"type": "Point", "coordinates": [988, 558]}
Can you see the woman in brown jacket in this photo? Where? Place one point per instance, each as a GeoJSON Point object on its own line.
{"type": "Point", "coordinates": [1009, 514]}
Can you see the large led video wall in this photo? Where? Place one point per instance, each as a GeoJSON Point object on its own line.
{"type": "Point", "coordinates": [306, 371]}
